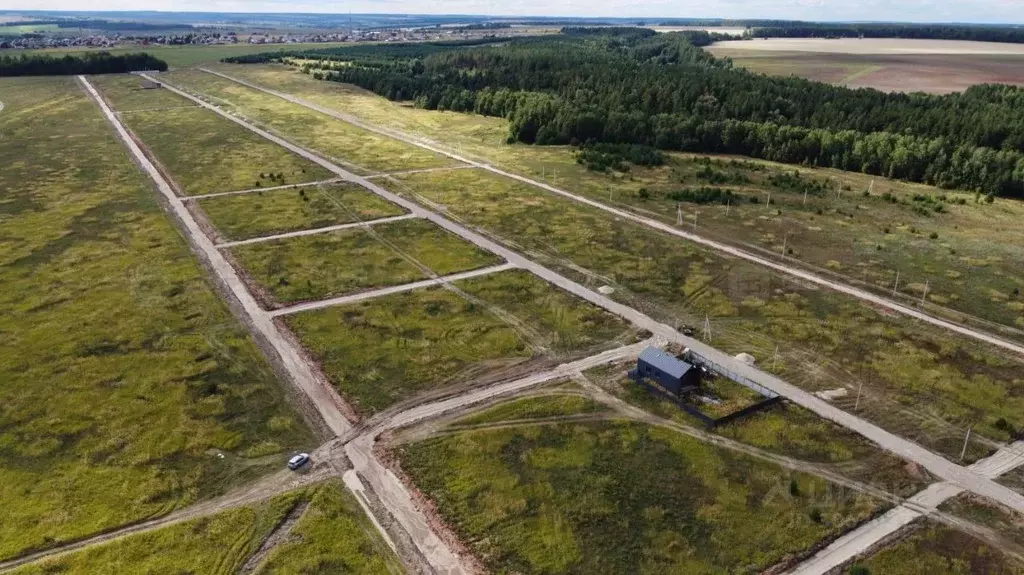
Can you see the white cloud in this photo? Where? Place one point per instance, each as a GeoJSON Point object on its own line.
{"type": "Point", "coordinates": [900, 10]}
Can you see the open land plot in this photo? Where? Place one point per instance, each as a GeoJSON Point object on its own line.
{"type": "Point", "coordinates": [969, 265]}
{"type": "Point", "coordinates": [258, 214]}
{"type": "Point", "coordinates": [204, 153]}
{"type": "Point", "coordinates": [319, 529]}
{"type": "Point", "coordinates": [933, 66]}
{"type": "Point", "coordinates": [783, 429]}
{"type": "Point", "coordinates": [615, 497]}
{"type": "Point", "coordinates": [347, 261]}
{"type": "Point", "coordinates": [124, 375]}
{"type": "Point", "coordinates": [383, 351]}
{"type": "Point", "coordinates": [362, 151]}
{"type": "Point", "coordinates": [129, 93]}
{"type": "Point", "coordinates": [918, 381]}
{"type": "Point", "coordinates": [333, 535]}
{"type": "Point", "coordinates": [932, 548]}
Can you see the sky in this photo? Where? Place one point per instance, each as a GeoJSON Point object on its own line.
{"type": "Point", "coordinates": [996, 11]}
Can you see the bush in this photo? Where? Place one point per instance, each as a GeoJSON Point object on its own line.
{"type": "Point", "coordinates": [703, 195]}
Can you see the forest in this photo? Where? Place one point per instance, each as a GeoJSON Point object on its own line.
{"type": "Point", "coordinates": [632, 86]}
{"type": "Point", "coordinates": [87, 63]}
{"type": "Point", "coordinates": [1012, 35]}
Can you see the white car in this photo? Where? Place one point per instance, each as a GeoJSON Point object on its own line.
{"type": "Point", "coordinates": [298, 461]}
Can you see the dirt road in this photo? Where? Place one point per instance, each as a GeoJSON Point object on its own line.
{"type": "Point", "coordinates": [260, 190]}
{"type": "Point", "coordinates": [322, 395]}
{"type": "Point", "coordinates": [651, 223]}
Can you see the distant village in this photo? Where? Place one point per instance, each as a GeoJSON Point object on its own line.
{"type": "Point", "coordinates": [110, 40]}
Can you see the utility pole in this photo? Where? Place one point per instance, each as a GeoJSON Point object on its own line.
{"type": "Point", "coordinates": [967, 438]}
{"type": "Point", "coordinates": [896, 283]}
{"type": "Point", "coordinates": [785, 238]}
{"type": "Point", "coordinates": [609, 195]}
{"type": "Point", "coordinates": [859, 390]}
{"type": "Point", "coordinates": [695, 221]}
{"type": "Point", "coordinates": [769, 202]}
{"type": "Point", "coordinates": [728, 204]}
{"type": "Point", "coordinates": [805, 196]}
{"type": "Point", "coordinates": [679, 214]}
{"type": "Point", "coordinates": [775, 358]}
{"type": "Point", "coordinates": [707, 328]}
{"type": "Point", "coordinates": [925, 294]}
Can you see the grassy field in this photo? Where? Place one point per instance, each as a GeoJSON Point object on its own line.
{"type": "Point", "coordinates": [351, 260]}
{"type": "Point", "coordinates": [127, 93]}
{"type": "Point", "coordinates": [361, 151]}
{"type": "Point", "coordinates": [935, 549]}
{"type": "Point", "coordinates": [969, 266]}
{"type": "Point", "coordinates": [538, 407]}
{"type": "Point", "coordinates": [27, 29]}
{"type": "Point", "coordinates": [333, 536]}
{"type": "Point", "coordinates": [185, 56]}
{"type": "Point", "coordinates": [608, 497]}
{"type": "Point", "coordinates": [245, 216]}
{"type": "Point", "coordinates": [386, 350]}
{"type": "Point", "coordinates": [784, 429]}
{"type": "Point", "coordinates": [219, 544]}
{"type": "Point", "coordinates": [913, 375]}
{"type": "Point", "coordinates": [124, 375]}
{"type": "Point", "coordinates": [205, 153]}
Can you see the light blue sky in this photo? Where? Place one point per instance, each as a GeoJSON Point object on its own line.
{"type": "Point", "coordinates": [901, 10]}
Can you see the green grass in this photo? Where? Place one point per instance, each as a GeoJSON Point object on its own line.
{"type": "Point", "coordinates": [259, 214]}
{"type": "Point", "coordinates": [205, 153]}
{"type": "Point", "coordinates": [362, 151]}
{"type": "Point", "coordinates": [346, 261]}
{"type": "Point", "coordinates": [970, 267]}
{"type": "Point", "coordinates": [538, 407]}
{"type": "Point", "coordinates": [333, 536]}
{"type": "Point", "coordinates": [219, 544]}
{"type": "Point", "coordinates": [389, 349]}
{"type": "Point", "coordinates": [123, 372]}
{"type": "Point", "coordinates": [935, 549]}
{"type": "Point", "coordinates": [125, 93]}
{"type": "Point", "coordinates": [27, 29]}
{"type": "Point", "coordinates": [911, 372]}
{"type": "Point", "coordinates": [609, 497]}
{"type": "Point", "coordinates": [784, 429]}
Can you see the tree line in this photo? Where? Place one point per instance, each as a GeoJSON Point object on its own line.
{"type": "Point", "coordinates": [663, 91]}
{"type": "Point", "coordinates": [87, 63]}
{"type": "Point", "coordinates": [1007, 34]}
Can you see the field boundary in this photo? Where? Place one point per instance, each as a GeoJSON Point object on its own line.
{"type": "Point", "coordinates": [257, 190]}
{"type": "Point", "coordinates": [361, 296]}
{"type": "Point", "coordinates": [314, 231]}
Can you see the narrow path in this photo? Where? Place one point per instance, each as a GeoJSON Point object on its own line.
{"type": "Point", "coordinates": [345, 299]}
{"type": "Point", "coordinates": [323, 396]}
{"type": "Point", "coordinates": [314, 231]}
{"type": "Point", "coordinates": [863, 539]}
{"type": "Point", "coordinates": [257, 190]}
{"type": "Point", "coordinates": [420, 171]}
{"type": "Point", "coordinates": [934, 463]}
{"type": "Point", "coordinates": [651, 223]}
{"type": "Point", "coordinates": [279, 535]}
